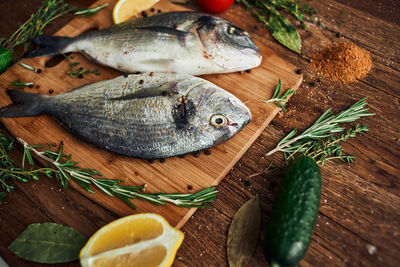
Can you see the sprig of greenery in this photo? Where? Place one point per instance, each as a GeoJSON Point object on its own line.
{"type": "Point", "coordinates": [29, 67]}
{"type": "Point", "coordinates": [323, 150]}
{"type": "Point", "coordinates": [278, 99]}
{"type": "Point", "coordinates": [268, 13]}
{"type": "Point", "coordinates": [46, 14]}
{"type": "Point", "coordinates": [326, 126]}
{"type": "Point", "coordinates": [75, 71]}
{"type": "Point", "coordinates": [64, 170]}
{"type": "Point", "coordinates": [87, 12]}
{"type": "Point", "coordinates": [21, 84]}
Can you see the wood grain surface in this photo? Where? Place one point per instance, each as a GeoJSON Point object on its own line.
{"type": "Point", "coordinates": [174, 175]}
{"type": "Point", "coordinates": [359, 218]}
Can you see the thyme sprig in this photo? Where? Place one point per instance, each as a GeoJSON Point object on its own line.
{"type": "Point", "coordinates": [326, 126]}
{"type": "Point", "coordinates": [64, 170]}
{"type": "Point", "coordinates": [278, 99]}
{"type": "Point", "coordinates": [47, 13]}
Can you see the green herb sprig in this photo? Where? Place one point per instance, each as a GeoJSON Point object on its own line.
{"type": "Point", "coordinates": [21, 84]}
{"type": "Point", "coordinates": [326, 126]}
{"type": "Point", "coordinates": [87, 12]}
{"type": "Point", "coordinates": [268, 13]}
{"type": "Point", "coordinates": [278, 99]}
{"type": "Point", "coordinates": [323, 150]}
{"type": "Point", "coordinates": [29, 67]}
{"type": "Point", "coordinates": [76, 71]}
{"type": "Point", "coordinates": [49, 11]}
{"type": "Point", "coordinates": [64, 170]}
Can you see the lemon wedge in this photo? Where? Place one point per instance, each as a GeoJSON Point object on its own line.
{"type": "Point", "coordinates": [125, 9]}
{"type": "Point", "coordinates": [144, 239]}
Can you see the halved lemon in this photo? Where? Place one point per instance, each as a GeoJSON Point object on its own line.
{"type": "Point", "coordinates": [125, 9]}
{"type": "Point", "coordinates": [144, 239]}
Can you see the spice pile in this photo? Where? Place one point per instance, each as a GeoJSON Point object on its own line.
{"type": "Point", "coordinates": [344, 62]}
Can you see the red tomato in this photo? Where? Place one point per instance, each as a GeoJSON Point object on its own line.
{"type": "Point", "coordinates": [215, 6]}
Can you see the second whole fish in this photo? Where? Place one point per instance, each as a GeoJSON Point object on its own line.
{"type": "Point", "coordinates": [182, 42]}
{"type": "Point", "coordinates": [153, 115]}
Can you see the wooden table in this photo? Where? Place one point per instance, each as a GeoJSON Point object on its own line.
{"type": "Point", "coordinates": [359, 218]}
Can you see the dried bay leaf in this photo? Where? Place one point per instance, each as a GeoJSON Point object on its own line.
{"type": "Point", "coordinates": [283, 31]}
{"type": "Point", "coordinates": [244, 232]}
{"type": "Point", "coordinates": [48, 243]}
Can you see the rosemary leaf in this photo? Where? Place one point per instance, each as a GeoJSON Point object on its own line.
{"type": "Point", "coordinates": [64, 170]}
{"type": "Point", "coordinates": [90, 11]}
{"type": "Point", "coordinates": [278, 99]}
{"type": "Point", "coordinates": [326, 126]}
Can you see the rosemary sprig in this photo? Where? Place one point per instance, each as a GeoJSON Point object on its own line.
{"type": "Point", "coordinates": [326, 126]}
{"type": "Point", "coordinates": [278, 99]}
{"type": "Point", "coordinates": [65, 170]}
{"type": "Point", "coordinates": [90, 11]}
{"type": "Point", "coordinates": [326, 149]}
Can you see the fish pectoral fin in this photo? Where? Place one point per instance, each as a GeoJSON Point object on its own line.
{"type": "Point", "coordinates": [167, 32]}
{"type": "Point", "coordinates": [158, 65]}
{"type": "Point", "coordinates": [162, 29]}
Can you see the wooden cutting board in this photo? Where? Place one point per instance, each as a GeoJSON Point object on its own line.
{"type": "Point", "coordinates": [176, 174]}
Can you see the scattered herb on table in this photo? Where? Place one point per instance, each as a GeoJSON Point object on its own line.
{"type": "Point", "coordinates": [244, 232]}
{"type": "Point", "coordinates": [76, 71]}
{"type": "Point", "coordinates": [87, 12]}
{"type": "Point", "coordinates": [268, 13]}
{"type": "Point", "coordinates": [326, 126]}
{"type": "Point", "coordinates": [64, 170]}
{"type": "Point", "coordinates": [48, 243]}
{"type": "Point", "coordinates": [29, 67]}
{"type": "Point", "coordinates": [278, 99]}
{"type": "Point", "coordinates": [21, 84]}
{"type": "Point", "coordinates": [34, 26]}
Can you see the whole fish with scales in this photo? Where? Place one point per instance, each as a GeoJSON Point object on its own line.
{"type": "Point", "coordinates": [152, 115]}
{"type": "Point", "coordinates": [182, 42]}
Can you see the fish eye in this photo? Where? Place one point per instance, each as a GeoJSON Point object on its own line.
{"type": "Point", "coordinates": [218, 121]}
{"type": "Point", "coordinates": [234, 31]}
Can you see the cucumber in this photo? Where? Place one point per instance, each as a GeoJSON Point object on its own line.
{"type": "Point", "coordinates": [5, 59]}
{"type": "Point", "coordinates": [294, 213]}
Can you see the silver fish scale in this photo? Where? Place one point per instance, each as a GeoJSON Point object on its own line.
{"type": "Point", "coordinates": [183, 42]}
{"type": "Point", "coordinates": [147, 116]}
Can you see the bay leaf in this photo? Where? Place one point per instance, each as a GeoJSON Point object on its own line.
{"type": "Point", "coordinates": [283, 31]}
{"type": "Point", "coordinates": [48, 243]}
{"type": "Point", "coordinates": [244, 232]}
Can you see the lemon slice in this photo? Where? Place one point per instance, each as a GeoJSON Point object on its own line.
{"type": "Point", "coordinates": [138, 240]}
{"type": "Point", "coordinates": [125, 9]}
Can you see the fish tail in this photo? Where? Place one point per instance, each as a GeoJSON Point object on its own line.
{"type": "Point", "coordinates": [24, 104]}
{"type": "Point", "coordinates": [50, 45]}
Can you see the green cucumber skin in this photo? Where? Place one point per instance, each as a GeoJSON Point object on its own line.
{"type": "Point", "coordinates": [5, 59]}
{"type": "Point", "coordinates": [294, 214]}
